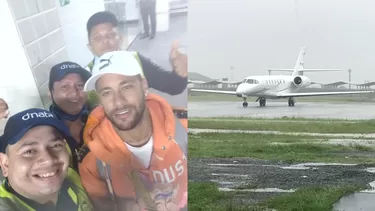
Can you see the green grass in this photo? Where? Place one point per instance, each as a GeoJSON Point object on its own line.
{"type": "Point", "coordinates": [271, 147]}
{"type": "Point", "coordinates": [365, 126]}
{"type": "Point", "coordinates": [284, 118]}
{"type": "Point", "coordinates": [205, 196]}
{"type": "Point", "coordinates": [204, 97]}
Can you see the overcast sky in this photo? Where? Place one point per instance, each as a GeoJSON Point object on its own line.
{"type": "Point", "coordinates": [253, 35]}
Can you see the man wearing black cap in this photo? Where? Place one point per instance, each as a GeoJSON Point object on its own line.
{"type": "Point", "coordinates": [105, 37]}
{"type": "Point", "coordinates": [34, 161]}
{"type": "Point", "coordinates": [69, 101]}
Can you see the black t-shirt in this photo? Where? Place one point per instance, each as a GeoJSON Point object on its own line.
{"type": "Point", "coordinates": [64, 201]}
{"type": "Point", "coordinates": [160, 79]}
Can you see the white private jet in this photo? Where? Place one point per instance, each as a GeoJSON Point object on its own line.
{"type": "Point", "coordinates": [279, 86]}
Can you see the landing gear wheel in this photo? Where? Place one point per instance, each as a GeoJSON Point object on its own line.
{"type": "Point", "coordinates": [291, 102]}
{"type": "Point", "coordinates": [262, 102]}
{"type": "Point", "coordinates": [244, 104]}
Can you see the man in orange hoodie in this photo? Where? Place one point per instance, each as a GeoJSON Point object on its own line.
{"type": "Point", "coordinates": [138, 158]}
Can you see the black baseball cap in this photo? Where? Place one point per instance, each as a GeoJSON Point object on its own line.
{"type": "Point", "coordinates": [18, 125]}
{"type": "Point", "coordinates": [60, 70]}
{"type": "Point", "coordinates": [100, 18]}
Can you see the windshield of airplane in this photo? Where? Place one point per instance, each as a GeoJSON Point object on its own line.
{"type": "Point", "coordinates": [251, 81]}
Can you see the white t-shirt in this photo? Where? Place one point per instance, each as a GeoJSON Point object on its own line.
{"type": "Point", "coordinates": [143, 153]}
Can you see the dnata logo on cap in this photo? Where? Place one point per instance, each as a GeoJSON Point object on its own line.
{"type": "Point", "coordinates": [33, 115]}
{"type": "Point", "coordinates": [65, 66]}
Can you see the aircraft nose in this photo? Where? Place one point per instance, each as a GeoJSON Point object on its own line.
{"type": "Point", "coordinates": [240, 90]}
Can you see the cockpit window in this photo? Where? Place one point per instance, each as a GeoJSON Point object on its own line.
{"type": "Point", "coordinates": [252, 81]}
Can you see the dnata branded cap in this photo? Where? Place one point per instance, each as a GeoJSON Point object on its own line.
{"type": "Point", "coordinates": [18, 125]}
{"type": "Point", "coordinates": [116, 62]}
{"type": "Point", "coordinates": [59, 71]}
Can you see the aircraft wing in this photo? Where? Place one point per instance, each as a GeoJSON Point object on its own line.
{"type": "Point", "coordinates": [214, 91]}
{"type": "Point", "coordinates": [307, 94]}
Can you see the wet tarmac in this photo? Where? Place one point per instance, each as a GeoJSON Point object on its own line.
{"type": "Point", "coordinates": [279, 109]}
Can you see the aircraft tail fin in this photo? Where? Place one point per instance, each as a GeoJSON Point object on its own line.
{"type": "Point", "coordinates": [300, 62]}
{"type": "Point", "coordinates": [299, 66]}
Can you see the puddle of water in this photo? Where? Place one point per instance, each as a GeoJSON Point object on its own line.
{"type": "Point", "coordinates": [231, 175]}
{"type": "Point", "coordinates": [259, 190]}
{"type": "Point", "coordinates": [371, 170]}
{"type": "Point", "coordinates": [297, 167]}
{"type": "Point", "coordinates": [226, 182]}
{"type": "Point", "coordinates": [355, 202]}
{"type": "Point", "coordinates": [344, 142]}
{"type": "Point", "coordinates": [362, 200]}
{"type": "Point", "coordinates": [324, 164]}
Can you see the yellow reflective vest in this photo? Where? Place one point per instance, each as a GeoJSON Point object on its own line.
{"type": "Point", "coordinates": [10, 202]}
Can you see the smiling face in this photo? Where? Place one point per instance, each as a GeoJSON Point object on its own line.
{"type": "Point", "coordinates": [37, 164]}
{"type": "Point", "coordinates": [68, 93]}
{"type": "Point", "coordinates": [104, 38]}
{"type": "Point", "coordinates": [123, 99]}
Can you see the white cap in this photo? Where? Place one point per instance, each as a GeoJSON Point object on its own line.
{"type": "Point", "coordinates": [116, 62]}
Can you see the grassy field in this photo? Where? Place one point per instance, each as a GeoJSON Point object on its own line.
{"type": "Point", "coordinates": [295, 125]}
{"type": "Point", "coordinates": [288, 148]}
{"type": "Point", "coordinates": [201, 97]}
{"type": "Point", "coordinates": [205, 196]}
{"type": "Point", "coordinates": [275, 147]}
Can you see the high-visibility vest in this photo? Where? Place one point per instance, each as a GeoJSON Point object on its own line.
{"type": "Point", "coordinates": [75, 191]}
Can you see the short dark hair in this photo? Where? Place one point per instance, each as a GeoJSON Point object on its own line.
{"type": "Point", "coordinates": [100, 18]}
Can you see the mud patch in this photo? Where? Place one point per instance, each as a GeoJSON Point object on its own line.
{"type": "Point", "coordinates": [229, 174]}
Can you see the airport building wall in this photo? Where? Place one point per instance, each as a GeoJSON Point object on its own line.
{"type": "Point", "coordinates": [37, 35]}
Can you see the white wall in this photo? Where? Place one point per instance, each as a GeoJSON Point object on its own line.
{"type": "Point", "coordinates": [17, 85]}
{"type": "Point", "coordinates": [51, 33]}
{"type": "Point", "coordinates": [73, 19]}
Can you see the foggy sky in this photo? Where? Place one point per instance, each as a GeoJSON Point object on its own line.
{"type": "Point", "coordinates": [253, 35]}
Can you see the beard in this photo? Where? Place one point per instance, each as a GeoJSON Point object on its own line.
{"type": "Point", "coordinates": [135, 115]}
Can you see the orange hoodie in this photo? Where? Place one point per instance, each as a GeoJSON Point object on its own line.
{"type": "Point", "coordinates": [166, 177]}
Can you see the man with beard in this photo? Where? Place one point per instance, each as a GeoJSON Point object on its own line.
{"type": "Point", "coordinates": [69, 101]}
{"type": "Point", "coordinates": [34, 162]}
{"type": "Point", "coordinates": [138, 146]}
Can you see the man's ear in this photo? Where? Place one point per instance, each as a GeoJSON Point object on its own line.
{"type": "Point", "coordinates": [4, 163]}
{"type": "Point", "coordinates": [144, 85]}
{"type": "Point", "coordinates": [123, 42]}
{"type": "Point", "coordinates": [90, 48]}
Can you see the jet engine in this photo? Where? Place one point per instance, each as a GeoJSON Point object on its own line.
{"type": "Point", "coordinates": [301, 81]}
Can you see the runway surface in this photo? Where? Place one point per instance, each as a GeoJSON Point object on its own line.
{"type": "Point", "coordinates": [281, 109]}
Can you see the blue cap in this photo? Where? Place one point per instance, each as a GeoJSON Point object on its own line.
{"type": "Point", "coordinates": [18, 125]}
{"type": "Point", "coordinates": [59, 71]}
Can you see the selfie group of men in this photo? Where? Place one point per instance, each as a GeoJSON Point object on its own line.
{"type": "Point", "coordinates": [106, 143]}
